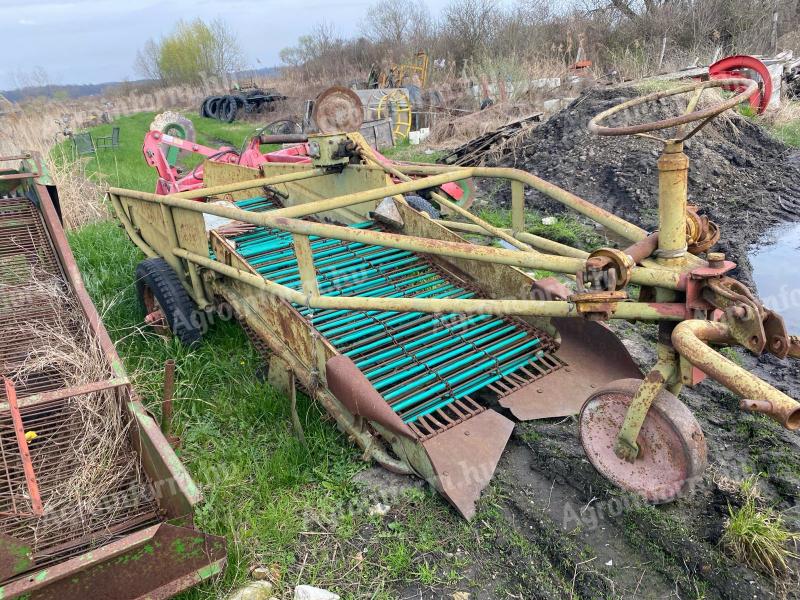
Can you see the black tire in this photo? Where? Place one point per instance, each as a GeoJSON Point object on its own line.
{"type": "Point", "coordinates": [204, 107]}
{"type": "Point", "coordinates": [155, 276]}
{"type": "Point", "coordinates": [212, 107]}
{"type": "Point", "coordinates": [419, 203]}
{"type": "Point", "coordinates": [228, 107]}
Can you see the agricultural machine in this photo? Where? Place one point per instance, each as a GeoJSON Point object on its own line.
{"type": "Point", "coordinates": [424, 347]}
{"type": "Point", "coordinates": [78, 524]}
{"type": "Point", "coordinates": [172, 138]}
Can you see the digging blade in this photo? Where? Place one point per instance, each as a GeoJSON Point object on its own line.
{"type": "Point", "coordinates": [464, 458]}
{"type": "Point", "coordinates": [594, 357]}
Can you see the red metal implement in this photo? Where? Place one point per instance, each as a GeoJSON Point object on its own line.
{"type": "Point", "coordinates": [27, 463]}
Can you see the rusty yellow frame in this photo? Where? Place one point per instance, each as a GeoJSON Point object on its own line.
{"type": "Point", "coordinates": [667, 275]}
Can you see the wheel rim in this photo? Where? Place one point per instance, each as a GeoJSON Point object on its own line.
{"type": "Point", "coordinates": [672, 453]}
{"type": "Point", "coordinates": [155, 316]}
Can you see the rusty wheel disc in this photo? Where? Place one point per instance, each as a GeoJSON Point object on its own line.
{"type": "Point", "coordinates": [672, 448]}
{"type": "Point", "coordinates": [338, 110]}
{"type": "Point", "coordinates": [154, 317]}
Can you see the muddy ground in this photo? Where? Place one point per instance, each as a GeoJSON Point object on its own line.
{"type": "Point", "coordinates": [559, 528]}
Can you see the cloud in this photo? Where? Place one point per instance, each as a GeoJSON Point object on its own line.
{"type": "Point", "coordinates": [26, 22]}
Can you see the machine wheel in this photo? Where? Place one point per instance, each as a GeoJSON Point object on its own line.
{"type": "Point", "coordinates": [419, 203]}
{"type": "Point", "coordinates": [176, 125]}
{"type": "Point", "coordinates": [163, 298]}
{"type": "Point", "coordinates": [672, 447]}
{"type": "Point", "coordinates": [212, 107]}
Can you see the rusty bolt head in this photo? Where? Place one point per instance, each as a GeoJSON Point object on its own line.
{"type": "Point", "coordinates": [716, 260]}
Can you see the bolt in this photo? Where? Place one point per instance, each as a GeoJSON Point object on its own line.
{"type": "Point", "coordinates": [716, 260]}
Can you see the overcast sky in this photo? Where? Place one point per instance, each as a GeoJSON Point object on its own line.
{"type": "Point", "coordinates": [95, 41]}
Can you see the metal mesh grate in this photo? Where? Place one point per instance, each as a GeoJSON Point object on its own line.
{"type": "Point", "coordinates": [127, 504]}
{"type": "Point", "coordinates": [27, 259]}
{"type": "Point", "coordinates": [36, 299]}
{"type": "Point", "coordinates": [425, 366]}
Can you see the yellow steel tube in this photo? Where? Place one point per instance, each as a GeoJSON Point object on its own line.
{"type": "Point", "coordinates": [533, 308]}
{"type": "Point", "coordinates": [517, 187]}
{"type": "Point", "coordinates": [538, 242]}
{"type": "Point", "coordinates": [239, 186]}
{"type": "Point", "coordinates": [614, 223]}
{"type": "Point", "coordinates": [303, 210]}
{"type": "Point", "coordinates": [673, 186]}
{"type": "Point", "coordinates": [529, 260]}
{"type": "Point", "coordinates": [689, 339]}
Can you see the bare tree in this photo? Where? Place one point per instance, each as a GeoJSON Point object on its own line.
{"type": "Point", "coordinates": [470, 26]}
{"type": "Point", "coordinates": [397, 23]}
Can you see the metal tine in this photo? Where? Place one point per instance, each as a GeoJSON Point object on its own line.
{"type": "Point", "coordinates": [432, 287]}
{"type": "Point", "coordinates": [416, 286]}
{"type": "Point", "coordinates": [418, 322]}
{"type": "Point", "coordinates": [456, 336]}
{"type": "Point", "coordinates": [470, 381]}
{"type": "Point", "coordinates": [415, 336]}
{"type": "Point", "coordinates": [422, 290]}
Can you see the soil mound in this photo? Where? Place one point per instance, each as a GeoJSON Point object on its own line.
{"type": "Point", "coordinates": [742, 177]}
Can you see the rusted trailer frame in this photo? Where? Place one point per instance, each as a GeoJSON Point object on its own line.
{"type": "Point", "coordinates": [149, 550]}
{"type": "Point", "coordinates": [626, 420]}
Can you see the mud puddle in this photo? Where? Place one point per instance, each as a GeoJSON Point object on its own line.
{"type": "Point", "coordinates": [774, 269]}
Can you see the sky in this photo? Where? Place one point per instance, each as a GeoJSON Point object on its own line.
{"type": "Point", "coordinates": [95, 41]}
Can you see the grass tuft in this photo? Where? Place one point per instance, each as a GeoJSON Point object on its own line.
{"type": "Point", "coordinates": [757, 536]}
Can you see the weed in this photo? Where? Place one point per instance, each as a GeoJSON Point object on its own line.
{"type": "Point", "coordinates": [732, 354]}
{"type": "Point", "coordinates": [404, 151]}
{"type": "Point", "coordinates": [757, 536]}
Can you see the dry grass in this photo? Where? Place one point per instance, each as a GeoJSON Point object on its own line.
{"type": "Point", "coordinates": [98, 462]}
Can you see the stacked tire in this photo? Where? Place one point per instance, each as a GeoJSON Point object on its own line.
{"type": "Point", "coordinates": [228, 107]}
{"type": "Point", "coordinates": [224, 108]}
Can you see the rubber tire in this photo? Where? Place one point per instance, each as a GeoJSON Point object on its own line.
{"type": "Point", "coordinates": [186, 322]}
{"type": "Point", "coordinates": [212, 107]}
{"type": "Point", "coordinates": [419, 203]}
{"type": "Point", "coordinates": [204, 107]}
{"type": "Point", "coordinates": [228, 107]}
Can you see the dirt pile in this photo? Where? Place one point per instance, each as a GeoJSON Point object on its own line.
{"type": "Point", "coordinates": [744, 179]}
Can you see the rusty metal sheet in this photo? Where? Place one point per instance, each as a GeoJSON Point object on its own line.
{"type": "Point", "coordinates": [152, 564]}
{"type": "Point", "coordinates": [354, 390]}
{"type": "Point", "coordinates": [594, 356]}
{"type": "Point", "coordinates": [338, 110]}
{"type": "Point", "coordinates": [15, 556]}
{"type": "Point", "coordinates": [464, 458]}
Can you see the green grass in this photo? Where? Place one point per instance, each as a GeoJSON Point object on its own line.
{"type": "Point", "coordinates": [278, 503]}
{"type": "Point", "coordinates": [125, 166]}
{"type": "Point", "coordinates": [567, 229]}
{"type": "Point", "coordinates": [788, 133]}
{"type": "Point", "coordinates": [404, 151]}
{"type": "Point", "coordinates": [757, 535]}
